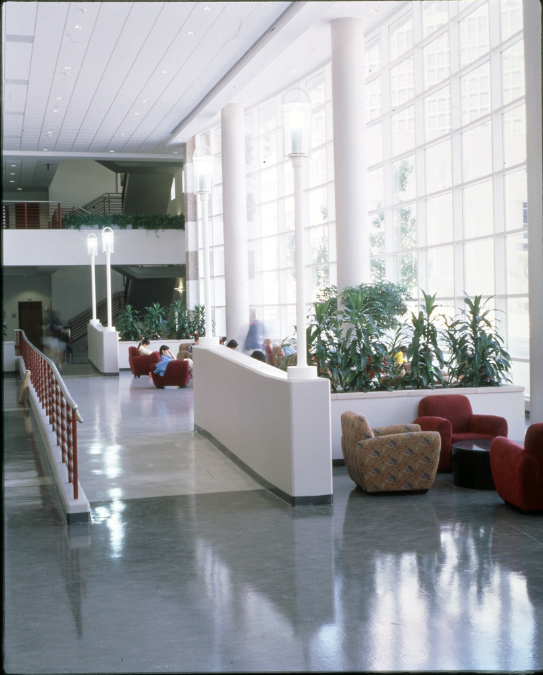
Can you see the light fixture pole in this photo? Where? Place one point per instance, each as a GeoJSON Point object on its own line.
{"type": "Point", "coordinates": [296, 109]}
{"type": "Point", "coordinates": [92, 250]}
{"type": "Point", "coordinates": [203, 173]}
{"type": "Point", "coordinates": [107, 248]}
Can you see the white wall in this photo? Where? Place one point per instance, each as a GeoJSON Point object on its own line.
{"type": "Point", "coordinates": [279, 428]}
{"type": "Point", "coordinates": [61, 247]}
{"type": "Point", "coordinates": [79, 181]}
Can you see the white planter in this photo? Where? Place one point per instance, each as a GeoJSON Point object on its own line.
{"type": "Point", "coordinates": [155, 345]}
{"type": "Point", "coordinates": [396, 407]}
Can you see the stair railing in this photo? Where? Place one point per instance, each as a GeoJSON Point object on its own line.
{"type": "Point", "coordinates": [36, 214]}
{"type": "Point", "coordinates": [78, 324]}
{"type": "Point", "coordinates": [55, 400]}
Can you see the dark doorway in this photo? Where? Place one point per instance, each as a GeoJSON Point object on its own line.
{"type": "Point", "coordinates": [31, 321]}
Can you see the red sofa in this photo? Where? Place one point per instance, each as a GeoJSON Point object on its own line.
{"type": "Point", "coordinates": [518, 471]}
{"type": "Point", "coordinates": [452, 416]}
{"type": "Point", "coordinates": [140, 364]}
{"type": "Point", "coordinates": [177, 373]}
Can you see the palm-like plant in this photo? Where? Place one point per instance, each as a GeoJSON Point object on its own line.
{"type": "Point", "coordinates": [154, 321]}
{"type": "Point", "coordinates": [128, 324]}
{"type": "Point", "coordinates": [478, 355]}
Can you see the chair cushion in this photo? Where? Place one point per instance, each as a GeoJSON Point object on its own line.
{"type": "Point", "coordinates": [454, 407]}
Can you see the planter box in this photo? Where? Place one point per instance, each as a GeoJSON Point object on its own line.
{"type": "Point", "coordinates": [396, 407]}
{"type": "Point", "coordinates": [154, 347]}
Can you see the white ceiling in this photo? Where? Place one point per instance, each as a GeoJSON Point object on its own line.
{"type": "Point", "coordinates": [135, 80]}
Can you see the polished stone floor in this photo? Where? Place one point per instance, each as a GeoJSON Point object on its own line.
{"type": "Point", "coordinates": [189, 566]}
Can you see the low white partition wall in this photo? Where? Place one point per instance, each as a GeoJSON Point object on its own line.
{"type": "Point", "coordinates": [277, 429]}
{"type": "Point", "coordinates": [396, 407]}
{"type": "Point", "coordinates": [103, 346]}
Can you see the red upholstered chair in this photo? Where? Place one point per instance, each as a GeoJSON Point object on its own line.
{"type": "Point", "coordinates": [177, 373]}
{"type": "Point", "coordinates": [452, 416]}
{"type": "Point", "coordinates": [140, 364]}
{"type": "Point", "coordinates": [517, 471]}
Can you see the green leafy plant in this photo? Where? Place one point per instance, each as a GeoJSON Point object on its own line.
{"type": "Point", "coordinates": [478, 356]}
{"type": "Point", "coordinates": [128, 323]}
{"type": "Point", "coordinates": [424, 352]}
{"type": "Point", "coordinates": [196, 321]}
{"type": "Point", "coordinates": [177, 324]}
{"type": "Point", "coordinates": [154, 321]}
{"type": "Point", "coordinates": [145, 221]}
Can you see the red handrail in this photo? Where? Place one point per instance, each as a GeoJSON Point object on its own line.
{"type": "Point", "coordinates": [55, 400]}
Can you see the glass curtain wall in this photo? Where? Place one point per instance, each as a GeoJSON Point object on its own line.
{"type": "Point", "coordinates": [447, 191]}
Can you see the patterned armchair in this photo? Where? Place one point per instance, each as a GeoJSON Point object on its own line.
{"type": "Point", "coordinates": [397, 458]}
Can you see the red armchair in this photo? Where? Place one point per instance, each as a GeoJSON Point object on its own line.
{"type": "Point", "coordinates": [452, 416]}
{"type": "Point", "coordinates": [140, 364]}
{"type": "Point", "coordinates": [177, 373]}
{"type": "Point", "coordinates": [517, 471]}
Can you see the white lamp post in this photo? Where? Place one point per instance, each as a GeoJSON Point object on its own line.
{"type": "Point", "coordinates": [107, 248]}
{"type": "Point", "coordinates": [296, 109]}
{"type": "Point", "coordinates": [203, 173]}
{"type": "Point", "coordinates": [92, 250]}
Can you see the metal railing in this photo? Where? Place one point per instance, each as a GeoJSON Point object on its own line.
{"type": "Point", "coordinates": [106, 204]}
{"type": "Point", "coordinates": [78, 324]}
{"type": "Point", "coordinates": [36, 215]}
{"type": "Point", "coordinates": [55, 400]}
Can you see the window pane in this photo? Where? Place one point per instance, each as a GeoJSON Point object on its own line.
{"type": "Point", "coordinates": [510, 17]}
{"type": "Point", "coordinates": [269, 254]}
{"type": "Point", "coordinates": [318, 209]}
{"type": "Point", "coordinates": [516, 200]}
{"type": "Point", "coordinates": [477, 151]}
{"type": "Point", "coordinates": [268, 185]}
{"type": "Point", "coordinates": [378, 269]}
{"type": "Point", "coordinates": [517, 263]}
{"type": "Point", "coordinates": [475, 93]}
{"type": "Point", "coordinates": [439, 219]}
{"type": "Point", "coordinates": [405, 228]}
{"type": "Point", "coordinates": [518, 327]}
{"type": "Point", "coordinates": [375, 189]}
{"type": "Point", "coordinates": [438, 167]}
{"type": "Point", "coordinates": [479, 267]}
{"type": "Point", "coordinates": [268, 215]}
{"type": "Point", "coordinates": [374, 140]}
{"type": "Point", "coordinates": [437, 114]}
{"type": "Point", "coordinates": [403, 131]}
{"type": "Point", "coordinates": [268, 149]}
{"type": "Point", "coordinates": [374, 99]}
{"type": "Point", "coordinates": [441, 271]}
{"type": "Point", "coordinates": [513, 73]}
{"type": "Point", "coordinates": [474, 36]}
{"type": "Point", "coordinates": [404, 179]}
{"type": "Point", "coordinates": [318, 245]}
{"type": "Point", "coordinates": [318, 128]}
{"type": "Point", "coordinates": [266, 117]}
{"type": "Point", "coordinates": [436, 60]}
{"type": "Point", "coordinates": [316, 89]}
{"type": "Point", "coordinates": [377, 233]}
{"type": "Point", "coordinates": [478, 210]}
{"type": "Point", "coordinates": [514, 136]}
{"type": "Point", "coordinates": [270, 288]}
{"type": "Point", "coordinates": [373, 57]}
{"type": "Point", "coordinates": [402, 82]}
{"type": "Point", "coordinates": [406, 272]}
{"type": "Point", "coordinates": [434, 15]}
{"type": "Point", "coordinates": [401, 36]}
{"type": "Point", "coordinates": [317, 167]}
{"type": "Point", "coordinates": [520, 372]}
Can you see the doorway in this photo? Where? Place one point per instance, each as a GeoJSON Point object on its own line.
{"type": "Point", "coordinates": [31, 321]}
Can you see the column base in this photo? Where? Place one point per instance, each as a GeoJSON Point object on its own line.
{"type": "Point", "coordinates": [302, 373]}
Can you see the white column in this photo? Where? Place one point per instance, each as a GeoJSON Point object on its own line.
{"type": "Point", "coordinates": [532, 69]}
{"type": "Point", "coordinates": [352, 231]}
{"type": "Point", "coordinates": [204, 205]}
{"type": "Point", "coordinates": [110, 325]}
{"type": "Point", "coordinates": [191, 231]}
{"type": "Point", "coordinates": [93, 283]}
{"type": "Point", "coordinates": [236, 266]}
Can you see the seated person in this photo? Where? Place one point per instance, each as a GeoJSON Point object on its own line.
{"type": "Point", "coordinates": [258, 355]}
{"type": "Point", "coordinates": [278, 356]}
{"type": "Point", "coordinates": [400, 356]}
{"type": "Point", "coordinates": [232, 344]}
{"type": "Point", "coordinates": [185, 355]}
{"type": "Point", "coordinates": [144, 347]}
{"type": "Point", "coordinates": [165, 357]}
{"type": "Point", "coordinates": [196, 342]}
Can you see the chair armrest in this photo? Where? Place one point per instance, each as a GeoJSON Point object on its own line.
{"type": "Point", "coordinates": [395, 429]}
{"type": "Point", "coordinates": [433, 423]}
{"type": "Point", "coordinates": [493, 425]}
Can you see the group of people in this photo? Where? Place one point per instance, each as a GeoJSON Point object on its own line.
{"type": "Point", "coordinates": [166, 355]}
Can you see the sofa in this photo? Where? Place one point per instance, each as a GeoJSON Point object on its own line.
{"type": "Point", "coordinates": [139, 364]}
{"type": "Point", "coordinates": [177, 373]}
{"type": "Point", "coordinates": [395, 458]}
{"type": "Point", "coordinates": [452, 416]}
{"type": "Point", "coordinates": [518, 471]}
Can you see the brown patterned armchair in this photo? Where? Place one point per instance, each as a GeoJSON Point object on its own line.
{"type": "Point", "coordinates": [396, 458]}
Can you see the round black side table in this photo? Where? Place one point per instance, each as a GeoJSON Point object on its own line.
{"type": "Point", "coordinates": [471, 464]}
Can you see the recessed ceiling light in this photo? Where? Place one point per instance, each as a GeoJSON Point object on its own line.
{"type": "Point", "coordinates": [122, 134]}
{"type": "Point", "coordinates": [175, 152]}
{"type": "Point", "coordinates": [145, 101]}
{"type": "Point", "coordinates": [164, 72]}
{"type": "Point", "coordinates": [67, 67]}
{"type": "Point", "coordinates": [19, 188]}
{"type": "Point", "coordinates": [190, 32]}
{"type": "Point", "coordinates": [77, 27]}
{"type": "Point", "coordinates": [55, 110]}
{"type": "Point", "coordinates": [12, 173]}
{"type": "Point", "coordinates": [14, 165]}
{"type": "Point", "coordinates": [46, 149]}
{"type": "Point", "coordinates": [136, 114]}
{"type": "Point", "coordinates": [207, 9]}
{"type": "Point", "coordinates": [59, 98]}
{"type": "Point", "coordinates": [12, 181]}
{"type": "Point", "coordinates": [112, 150]}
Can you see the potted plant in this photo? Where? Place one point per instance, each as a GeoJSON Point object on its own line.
{"type": "Point", "coordinates": [478, 357]}
{"type": "Point", "coordinates": [129, 324]}
{"type": "Point", "coordinates": [154, 321]}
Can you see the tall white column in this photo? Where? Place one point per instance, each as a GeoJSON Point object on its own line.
{"type": "Point", "coordinates": [204, 205]}
{"type": "Point", "coordinates": [236, 266]}
{"type": "Point", "coordinates": [352, 229]}
{"type": "Point", "coordinates": [532, 69]}
{"type": "Point", "coordinates": [191, 231]}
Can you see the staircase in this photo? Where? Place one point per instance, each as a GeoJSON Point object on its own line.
{"type": "Point", "coordinates": [78, 325]}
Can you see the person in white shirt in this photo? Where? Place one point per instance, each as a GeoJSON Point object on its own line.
{"type": "Point", "coordinates": [143, 347]}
